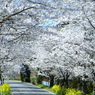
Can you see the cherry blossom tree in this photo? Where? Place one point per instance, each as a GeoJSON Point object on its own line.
{"type": "Point", "coordinates": [49, 33]}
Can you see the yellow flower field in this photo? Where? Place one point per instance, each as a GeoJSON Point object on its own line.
{"type": "Point", "coordinates": [5, 89]}
{"type": "Point", "coordinates": [73, 92]}
{"type": "Point", "coordinates": [63, 91]}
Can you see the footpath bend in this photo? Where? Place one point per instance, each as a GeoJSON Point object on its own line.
{"type": "Point", "coordinates": [19, 88]}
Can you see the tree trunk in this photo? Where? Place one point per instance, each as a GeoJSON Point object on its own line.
{"type": "Point", "coordinates": [93, 88]}
{"type": "Point", "coordinates": [2, 81]}
{"type": "Point", "coordinates": [66, 83]}
{"type": "Point", "coordinates": [51, 81]}
{"type": "Point", "coordinates": [94, 91]}
{"type": "Point", "coordinates": [57, 82]}
{"type": "Point", "coordinates": [0, 74]}
{"type": "Point", "coordinates": [62, 82]}
{"type": "Point", "coordinates": [84, 88]}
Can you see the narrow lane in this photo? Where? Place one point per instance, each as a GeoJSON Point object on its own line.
{"type": "Point", "coordinates": [19, 88]}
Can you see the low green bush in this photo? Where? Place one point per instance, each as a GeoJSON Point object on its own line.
{"type": "Point", "coordinates": [62, 91]}
{"type": "Point", "coordinates": [33, 80]}
{"type": "Point", "coordinates": [39, 79]}
{"type": "Point", "coordinates": [89, 87]}
{"type": "Point", "coordinates": [26, 79]}
{"type": "Point", "coordinates": [91, 93]}
{"type": "Point", "coordinates": [76, 83]}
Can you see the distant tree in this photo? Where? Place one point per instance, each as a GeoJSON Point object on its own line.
{"type": "Point", "coordinates": [25, 73]}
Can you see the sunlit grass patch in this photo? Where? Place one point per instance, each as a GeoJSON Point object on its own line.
{"type": "Point", "coordinates": [45, 87]}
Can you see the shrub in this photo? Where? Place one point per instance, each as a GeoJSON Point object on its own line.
{"type": "Point", "coordinates": [39, 79]}
{"type": "Point", "coordinates": [76, 83]}
{"type": "Point", "coordinates": [89, 87]}
{"type": "Point", "coordinates": [34, 80]}
{"type": "Point", "coordinates": [5, 89]}
{"type": "Point", "coordinates": [56, 88]}
{"type": "Point", "coordinates": [91, 93]}
{"type": "Point", "coordinates": [26, 79]}
{"type": "Point", "coordinates": [63, 91]}
{"type": "Point", "coordinates": [59, 90]}
{"type": "Point", "coordinates": [73, 92]}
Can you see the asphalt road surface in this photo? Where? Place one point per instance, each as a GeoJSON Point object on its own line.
{"type": "Point", "coordinates": [19, 88]}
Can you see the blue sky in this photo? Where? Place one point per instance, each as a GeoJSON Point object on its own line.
{"type": "Point", "coordinates": [17, 3]}
{"type": "Point", "coordinates": [50, 22]}
{"type": "Point", "coordinates": [46, 22]}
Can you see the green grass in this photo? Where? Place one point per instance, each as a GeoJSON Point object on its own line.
{"type": "Point", "coordinates": [45, 87]}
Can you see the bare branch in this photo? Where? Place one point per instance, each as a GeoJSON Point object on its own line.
{"type": "Point", "coordinates": [88, 18]}
{"type": "Point", "coordinates": [7, 17]}
{"type": "Point", "coordinates": [40, 4]}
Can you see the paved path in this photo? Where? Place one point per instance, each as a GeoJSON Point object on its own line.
{"type": "Point", "coordinates": [19, 88]}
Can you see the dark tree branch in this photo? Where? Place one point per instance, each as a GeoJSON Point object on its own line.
{"type": "Point", "coordinates": [40, 4]}
{"type": "Point", "coordinates": [14, 34]}
{"type": "Point", "coordinates": [63, 75]}
{"type": "Point", "coordinates": [88, 18]}
{"type": "Point", "coordinates": [7, 17]}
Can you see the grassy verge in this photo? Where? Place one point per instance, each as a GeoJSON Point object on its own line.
{"type": "Point", "coordinates": [45, 87]}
